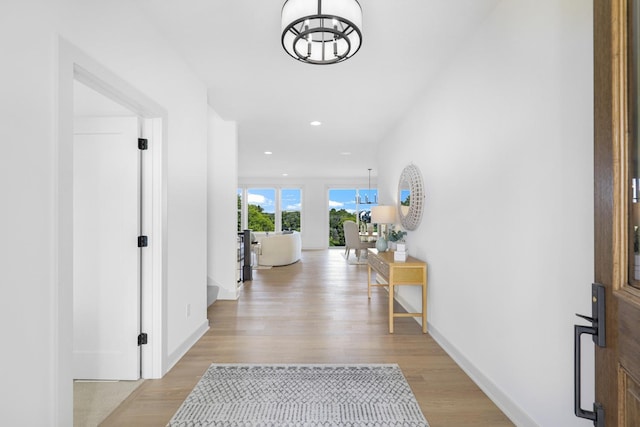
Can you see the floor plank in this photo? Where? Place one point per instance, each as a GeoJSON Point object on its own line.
{"type": "Point", "coordinates": [315, 311]}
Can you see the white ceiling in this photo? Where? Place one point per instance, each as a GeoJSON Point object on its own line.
{"type": "Point", "coordinates": [234, 47]}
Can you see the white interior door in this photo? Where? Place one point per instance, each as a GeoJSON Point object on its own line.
{"type": "Point", "coordinates": [106, 280]}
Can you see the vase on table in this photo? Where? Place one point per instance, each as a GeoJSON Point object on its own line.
{"type": "Point", "coordinates": [381, 244]}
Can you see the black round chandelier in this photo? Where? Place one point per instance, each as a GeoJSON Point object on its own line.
{"type": "Point", "coordinates": [321, 31]}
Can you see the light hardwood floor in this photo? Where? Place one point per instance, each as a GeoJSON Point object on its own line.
{"type": "Point", "coordinates": [316, 311]}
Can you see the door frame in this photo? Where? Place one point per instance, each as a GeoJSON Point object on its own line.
{"type": "Point", "coordinates": [74, 64]}
{"type": "Point", "coordinates": [111, 142]}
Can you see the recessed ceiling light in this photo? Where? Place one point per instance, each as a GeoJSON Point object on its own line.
{"type": "Point", "coordinates": [285, 174]}
{"type": "Point", "coordinates": [315, 123]}
{"type": "Point", "coordinates": [346, 153]}
{"type": "Point", "coordinates": [268, 152]}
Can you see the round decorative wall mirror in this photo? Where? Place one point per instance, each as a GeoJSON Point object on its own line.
{"type": "Point", "coordinates": [410, 197]}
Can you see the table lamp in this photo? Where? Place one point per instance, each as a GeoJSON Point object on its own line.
{"type": "Point", "coordinates": [383, 215]}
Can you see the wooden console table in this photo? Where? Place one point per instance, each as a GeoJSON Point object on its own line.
{"type": "Point", "coordinates": [398, 273]}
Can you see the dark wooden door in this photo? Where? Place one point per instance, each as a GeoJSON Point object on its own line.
{"type": "Point", "coordinates": [617, 206]}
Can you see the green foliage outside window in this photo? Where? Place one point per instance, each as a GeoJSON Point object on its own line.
{"type": "Point", "coordinates": [259, 220]}
{"type": "Point", "coordinates": [336, 229]}
{"type": "Point", "coordinates": [291, 220]}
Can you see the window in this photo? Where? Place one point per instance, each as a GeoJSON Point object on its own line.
{"type": "Point", "coordinates": [290, 209]}
{"type": "Point", "coordinates": [270, 209]}
{"type": "Point", "coordinates": [261, 209]}
{"type": "Point", "coordinates": [349, 204]}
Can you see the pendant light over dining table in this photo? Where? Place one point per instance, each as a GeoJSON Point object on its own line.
{"type": "Point", "coordinates": [367, 200]}
{"type": "Point", "coordinates": [321, 31]}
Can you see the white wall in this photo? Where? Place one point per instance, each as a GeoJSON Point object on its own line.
{"type": "Point", "coordinates": [504, 141]}
{"type": "Point", "coordinates": [222, 206]}
{"type": "Point", "coordinates": [115, 35]}
{"type": "Point", "coordinates": [314, 227]}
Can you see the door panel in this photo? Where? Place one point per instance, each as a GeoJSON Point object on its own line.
{"type": "Point", "coordinates": [629, 367]}
{"type": "Point", "coordinates": [106, 257]}
{"type": "Point", "coordinates": [630, 405]}
{"type": "Point", "coordinates": [629, 344]}
{"type": "Point", "coordinates": [616, 198]}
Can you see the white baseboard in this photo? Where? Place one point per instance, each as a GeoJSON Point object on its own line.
{"type": "Point", "coordinates": [186, 345]}
{"type": "Point", "coordinates": [224, 292]}
{"type": "Point", "coordinates": [502, 401]}
{"type": "Point", "coordinates": [212, 294]}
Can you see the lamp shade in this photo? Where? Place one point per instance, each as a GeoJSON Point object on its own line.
{"type": "Point", "coordinates": [383, 214]}
{"type": "Point", "coordinates": [321, 31]}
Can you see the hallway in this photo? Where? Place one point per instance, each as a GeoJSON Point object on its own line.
{"type": "Point", "coordinates": [315, 311]}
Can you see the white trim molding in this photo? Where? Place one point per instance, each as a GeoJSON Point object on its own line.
{"type": "Point", "coordinates": [502, 401]}
{"type": "Point", "coordinates": [73, 64]}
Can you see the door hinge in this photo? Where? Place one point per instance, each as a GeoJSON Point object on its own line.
{"type": "Point", "coordinates": [143, 143]}
{"type": "Point", "coordinates": [143, 241]}
{"type": "Point", "coordinates": [142, 339]}
{"type": "Point", "coordinates": [597, 331]}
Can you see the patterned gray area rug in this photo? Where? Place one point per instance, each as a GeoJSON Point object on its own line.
{"type": "Point", "coordinates": [300, 395]}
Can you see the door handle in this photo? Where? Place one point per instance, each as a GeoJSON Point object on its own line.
{"type": "Point", "coordinates": [597, 331]}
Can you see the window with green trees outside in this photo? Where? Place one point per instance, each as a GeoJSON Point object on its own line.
{"type": "Point", "coordinates": [290, 208]}
{"type": "Point", "coordinates": [343, 206]}
{"type": "Point", "coordinates": [261, 209]}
